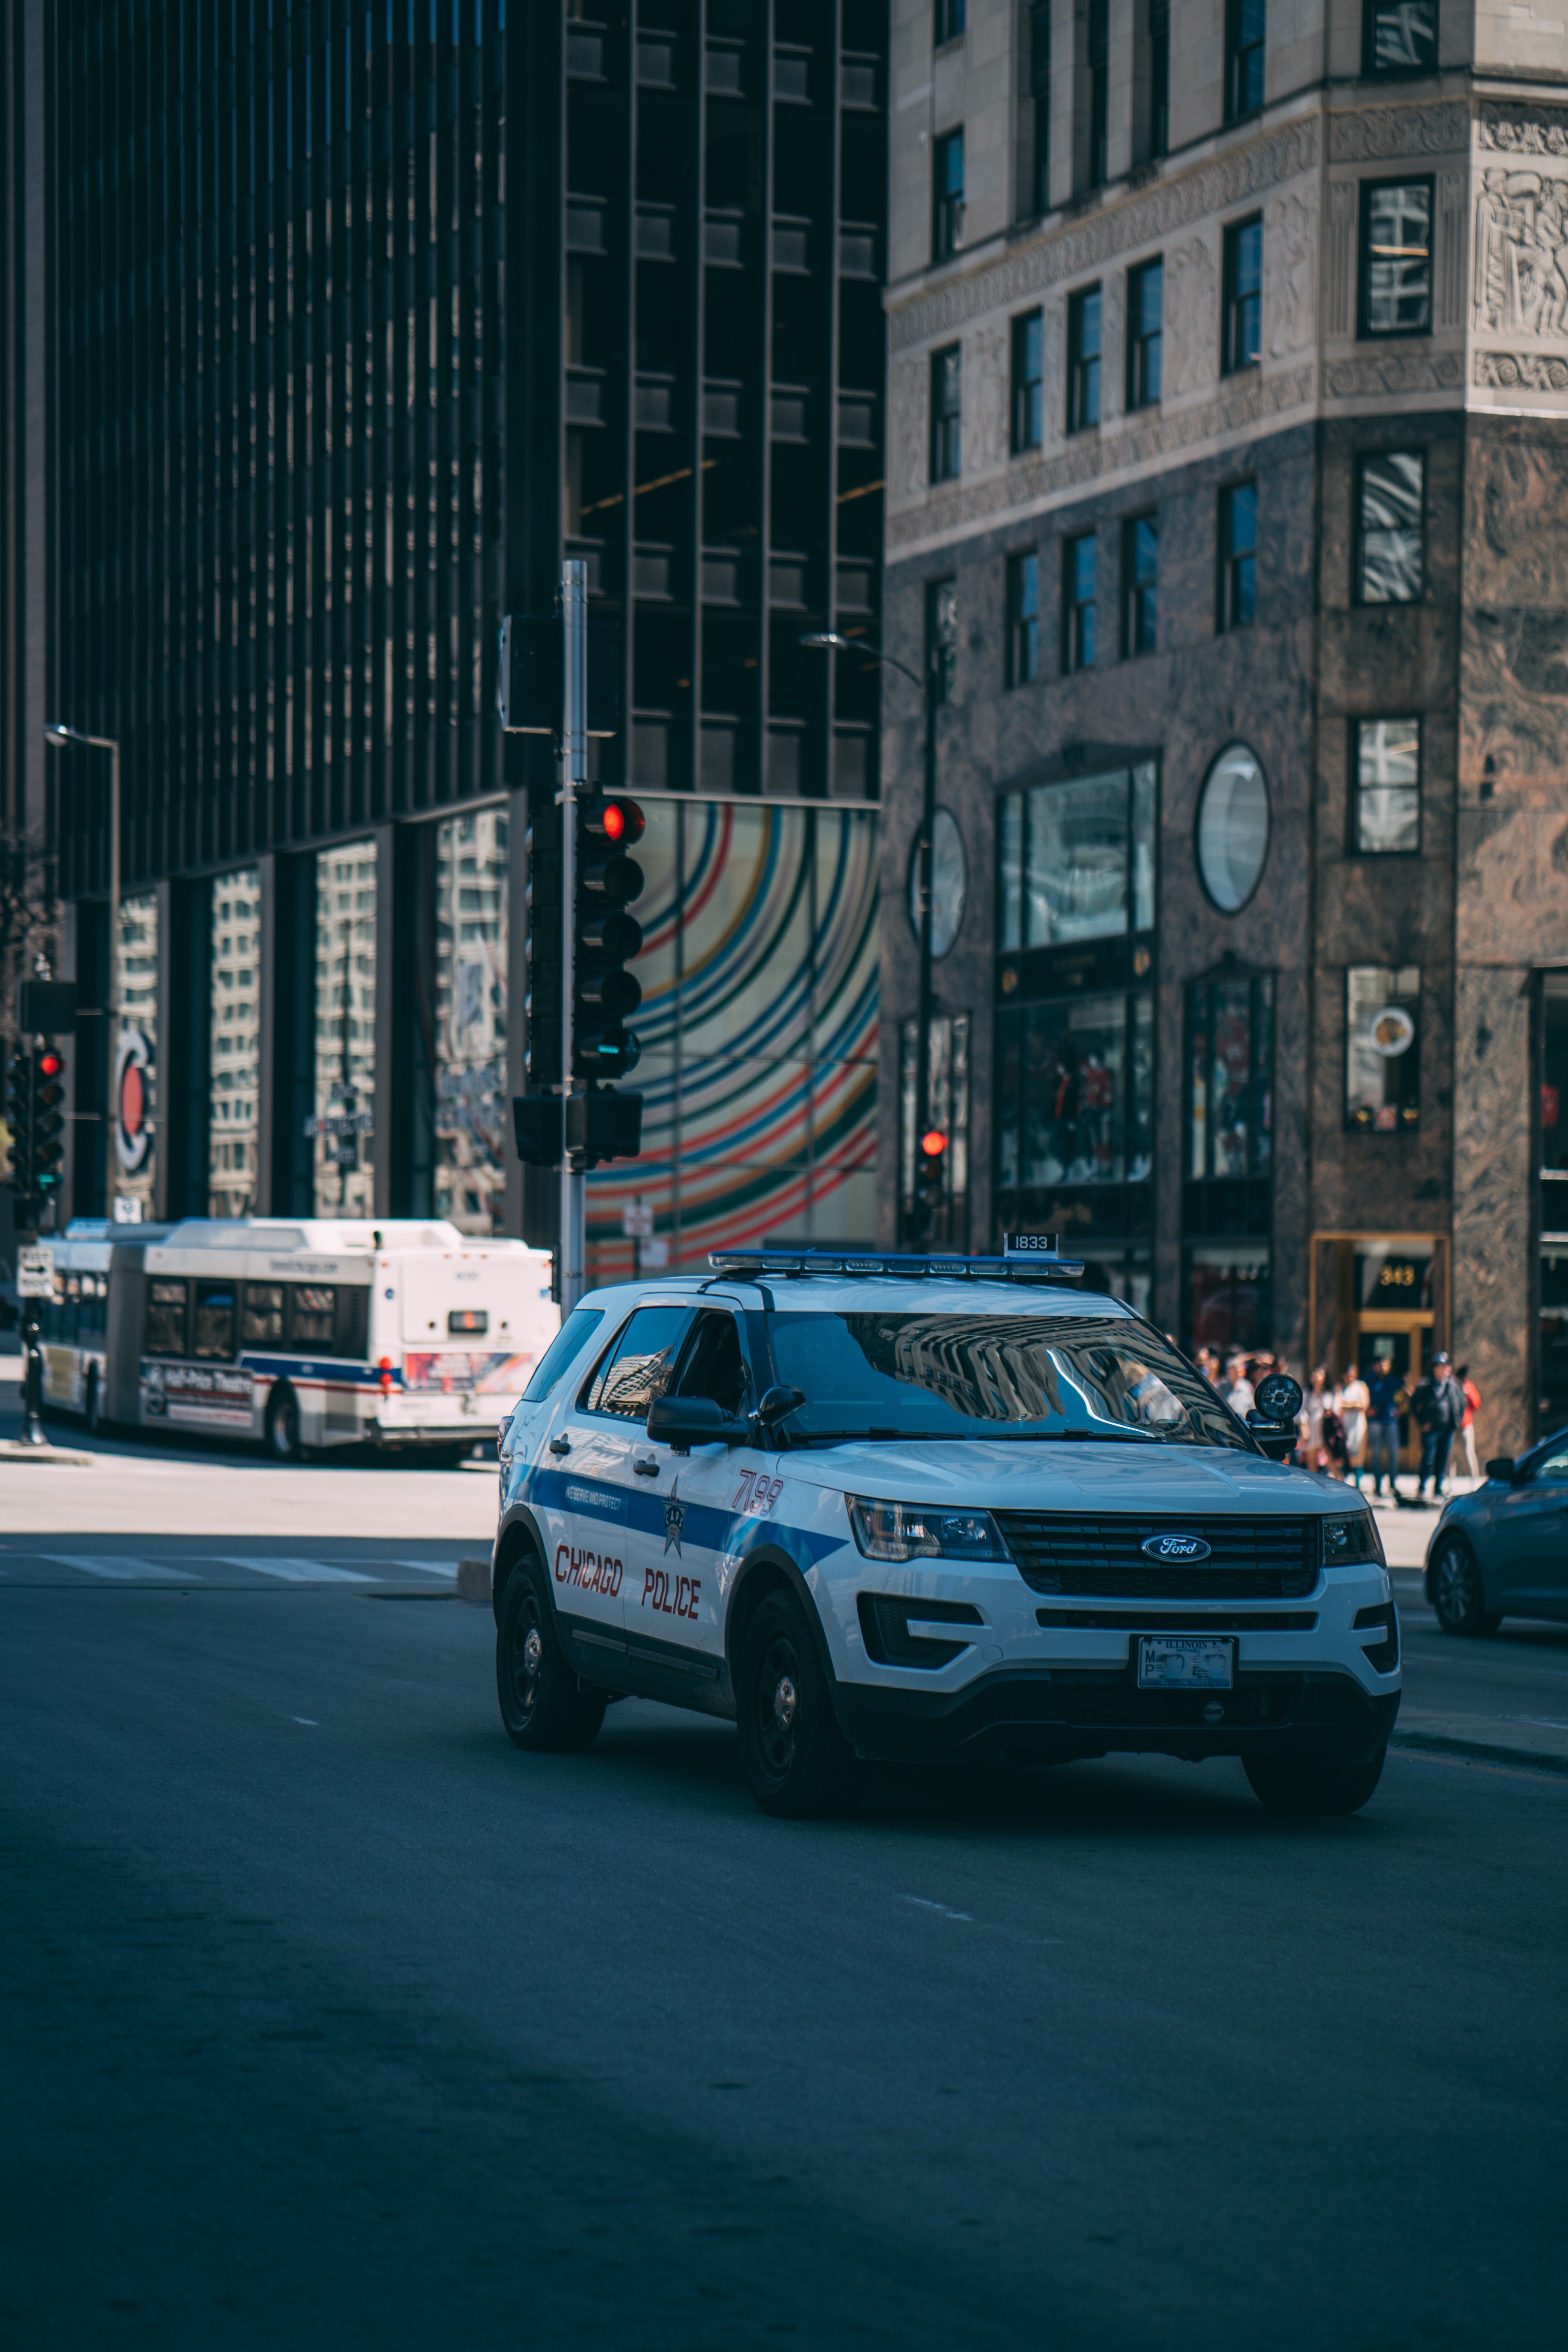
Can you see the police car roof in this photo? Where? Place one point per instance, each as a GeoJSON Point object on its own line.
{"type": "Point", "coordinates": [829, 1294]}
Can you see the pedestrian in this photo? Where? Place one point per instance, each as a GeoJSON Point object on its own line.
{"type": "Point", "coordinates": [1353, 1402]}
{"type": "Point", "coordinates": [1468, 1426]}
{"type": "Point", "coordinates": [1309, 1420]}
{"type": "Point", "coordinates": [1438, 1403]}
{"type": "Point", "coordinates": [1382, 1425]}
{"type": "Point", "coordinates": [1207, 1363]}
{"type": "Point", "coordinates": [1334, 1453]}
{"type": "Point", "coordinates": [1236, 1388]}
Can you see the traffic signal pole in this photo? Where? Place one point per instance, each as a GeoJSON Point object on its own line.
{"type": "Point", "coordinates": [573, 784]}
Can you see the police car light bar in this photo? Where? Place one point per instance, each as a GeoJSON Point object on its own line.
{"type": "Point", "coordinates": [1036, 1260]}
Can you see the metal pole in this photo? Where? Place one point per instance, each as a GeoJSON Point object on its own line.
{"type": "Point", "coordinates": [112, 1000]}
{"type": "Point", "coordinates": [922, 1221]}
{"type": "Point", "coordinates": [573, 782]}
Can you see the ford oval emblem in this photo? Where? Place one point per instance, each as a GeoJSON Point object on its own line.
{"type": "Point", "coordinates": [1174, 1548]}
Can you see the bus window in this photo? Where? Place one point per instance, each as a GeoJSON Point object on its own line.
{"type": "Point", "coordinates": [261, 1316]}
{"type": "Point", "coordinates": [215, 1320]}
{"type": "Point", "coordinates": [354, 1318]}
{"type": "Point", "coordinates": [165, 1317]}
{"type": "Point", "coordinates": [312, 1312]}
{"type": "Point", "coordinates": [94, 1306]}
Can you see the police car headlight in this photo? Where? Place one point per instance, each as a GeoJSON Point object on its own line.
{"type": "Point", "coordinates": [916, 1531]}
{"type": "Point", "coordinates": [1345, 1541]}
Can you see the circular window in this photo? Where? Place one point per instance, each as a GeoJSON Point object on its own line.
{"type": "Point", "coordinates": [948, 883]}
{"type": "Point", "coordinates": [1233, 829]}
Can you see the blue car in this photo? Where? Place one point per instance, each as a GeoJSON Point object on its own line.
{"type": "Point", "coordinates": [1502, 1551]}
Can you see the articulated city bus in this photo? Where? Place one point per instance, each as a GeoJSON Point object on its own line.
{"type": "Point", "coordinates": [406, 1334]}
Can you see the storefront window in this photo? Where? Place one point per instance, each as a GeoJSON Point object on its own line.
{"type": "Point", "coordinates": [345, 1030]}
{"type": "Point", "coordinates": [235, 980]}
{"type": "Point", "coordinates": [1230, 1094]}
{"type": "Point", "coordinates": [1382, 1048]}
{"type": "Point", "coordinates": [1227, 1295]}
{"type": "Point", "coordinates": [134, 1096]}
{"type": "Point", "coordinates": [472, 1104]}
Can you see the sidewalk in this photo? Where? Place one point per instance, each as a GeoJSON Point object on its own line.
{"type": "Point", "coordinates": [1539, 1741]}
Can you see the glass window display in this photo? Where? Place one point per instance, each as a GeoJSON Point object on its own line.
{"type": "Point", "coordinates": [1382, 1048]}
{"type": "Point", "coordinates": [1233, 829]}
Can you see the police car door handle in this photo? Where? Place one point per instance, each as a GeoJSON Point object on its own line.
{"type": "Point", "coordinates": [645, 1466]}
{"type": "Point", "coordinates": [561, 1445]}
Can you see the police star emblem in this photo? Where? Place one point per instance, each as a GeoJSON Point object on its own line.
{"type": "Point", "coordinates": [674, 1519]}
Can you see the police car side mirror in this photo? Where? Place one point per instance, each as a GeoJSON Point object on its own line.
{"type": "Point", "coordinates": [778, 1401]}
{"type": "Point", "coordinates": [681, 1422]}
{"type": "Point", "coordinates": [1502, 1469]}
{"type": "Point", "coordinates": [1277, 1439]}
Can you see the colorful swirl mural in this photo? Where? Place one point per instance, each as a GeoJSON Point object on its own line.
{"type": "Point", "coordinates": [759, 1034]}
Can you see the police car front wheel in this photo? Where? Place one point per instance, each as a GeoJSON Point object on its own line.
{"type": "Point", "coordinates": [797, 1761]}
{"type": "Point", "coordinates": [543, 1703]}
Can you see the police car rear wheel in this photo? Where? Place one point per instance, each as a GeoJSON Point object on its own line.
{"type": "Point", "coordinates": [797, 1761]}
{"type": "Point", "coordinates": [1458, 1596]}
{"type": "Point", "coordinates": [1300, 1784]}
{"type": "Point", "coordinates": [543, 1703]}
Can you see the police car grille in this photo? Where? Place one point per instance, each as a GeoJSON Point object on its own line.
{"type": "Point", "coordinates": [1114, 1699]}
{"type": "Point", "coordinates": [1249, 1559]}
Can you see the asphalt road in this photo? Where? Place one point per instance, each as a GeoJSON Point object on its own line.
{"type": "Point", "coordinates": [332, 2020]}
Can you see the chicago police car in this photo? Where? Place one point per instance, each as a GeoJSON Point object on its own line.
{"type": "Point", "coordinates": [892, 1507]}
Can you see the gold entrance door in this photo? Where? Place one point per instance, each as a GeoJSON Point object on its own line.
{"type": "Point", "coordinates": [1380, 1294]}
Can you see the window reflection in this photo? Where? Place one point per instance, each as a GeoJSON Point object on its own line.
{"type": "Point", "coordinates": [471, 1106]}
{"type": "Point", "coordinates": [234, 1009]}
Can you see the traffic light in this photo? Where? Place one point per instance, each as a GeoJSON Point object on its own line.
{"type": "Point", "coordinates": [609, 826]}
{"type": "Point", "coordinates": [19, 1119]}
{"type": "Point", "coordinates": [931, 1183]}
{"type": "Point", "coordinates": [49, 1122]}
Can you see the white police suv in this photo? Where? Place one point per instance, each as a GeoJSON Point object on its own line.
{"type": "Point", "coordinates": [876, 1507]}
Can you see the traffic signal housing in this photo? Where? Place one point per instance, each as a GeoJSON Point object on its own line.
{"type": "Point", "coordinates": [19, 1122]}
{"type": "Point", "coordinates": [49, 1122]}
{"type": "Point", "coordinates": [930, 1181]}
{"type": "Point", "coordinates": [606, 938]}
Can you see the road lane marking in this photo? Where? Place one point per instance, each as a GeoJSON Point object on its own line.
{"type": "Point", "coordinates": [309, 1721]}
{"type": "Point", "coordinates": [923, 1903]}
{"type": "Point", "coordinates": [295, 1571]}
{"type": "Point", "coordinates": [123, 1569]}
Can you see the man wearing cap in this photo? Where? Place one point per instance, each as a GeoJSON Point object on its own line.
{"type": "Point", "coordinates": [1439, 1404]}
{"type": "Point", "coordinates": [1382, 1425]}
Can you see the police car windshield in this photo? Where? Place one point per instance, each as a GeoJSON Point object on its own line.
{"type": "Point", "coordinates": [938, 1376]}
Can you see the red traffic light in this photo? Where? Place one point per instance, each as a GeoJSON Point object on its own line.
{"type": "Point", "coordinates": [615, 819]}
{"type": "Point", "coordinates": [933, 1143]}
{"type": "Point", "coordinates": [51, 1064]}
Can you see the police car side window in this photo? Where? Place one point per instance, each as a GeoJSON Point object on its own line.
{"type": "Point", "coordinates": [637, 1368]}
{"type": "Point", "coordinates": [712, 1365]}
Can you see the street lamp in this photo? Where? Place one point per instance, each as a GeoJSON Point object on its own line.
{"type": "Point", "coordinates": [59, 738]}
{"type": "Point", "coordinates": [833, 641]}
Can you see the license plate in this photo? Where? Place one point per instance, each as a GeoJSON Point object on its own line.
{"type": "Point", "coordinates": [1185, 1662]}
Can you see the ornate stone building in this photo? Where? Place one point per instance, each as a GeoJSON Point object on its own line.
{"type": "Point", "coordinates": [1228, 447]}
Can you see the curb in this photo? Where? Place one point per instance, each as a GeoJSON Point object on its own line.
{"type": "Point", "coordinates": [1434, 1743]}
{"type": "Point", "coordinates": [13, 1450]}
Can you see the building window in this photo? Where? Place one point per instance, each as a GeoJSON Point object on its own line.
{"type": "Point", "coordinates": [1078, 603]}
{"type": "Point", "coordinates": [949, 18]}
{"type": "Point", "coordinates": [1074, 1103]}
{"type": "Point", "coordinates": [1099, 47]}
{"type": "Point", "coordinates": [1238, 555]}
{"type": "Point", "coordinates": [1083, 360]}
{"type": "Point", "coordinates": [1243, 294]}
{"type": "Point", "coordinates": [947, 196]}
{"type": "Point", "coordinates": [234, 1013]}
{"type": "Point", "coordinates": [1040, 99]}
{"type": "Point", "coordinates": [1245, 22]}
{"type": "Point", "coordinates": [1397, 257]}
{"type": "Point", "coordinates": [1391, 528]}
{"type": "Point", "coordinates": [1023, 618]}
{"type": "Point", "coordinates": [946, 414]}
{"type": "Point", "coordinates": [343, 1125]}
{"type": "Point", "coordinates": [1029, 382]}
{"type": "Point", "coordinates": [1230, 1080]}
{"type": "Point", "coordinates": [1387, 787]}
{"type": "Point", "coordinates": [941, 637]}
{"type": "Point", "coordinates": [1382, 1048]}
{"type": "Point", "coordinates": [1140, 562]}
{"type": "Point", "coordinates": [1159, 77]}
{"type": "Point", "coordinates": [1400, 37]}
{"type": "Point", "coordinates": [1145, 333]}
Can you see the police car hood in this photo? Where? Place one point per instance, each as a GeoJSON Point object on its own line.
{"type": "Point", "coordinates": [1056, 1475]}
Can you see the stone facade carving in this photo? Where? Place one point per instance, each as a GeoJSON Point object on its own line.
{"type": "Point", "coordinates": [1192, 324]}
{"type": "Point", "coordinates": [985, 397]}
{"type": "Point", "coordinates": [1392, 373]}
{"type": "Point", "coordinates": [1341, 255]}
{"type": "Point", "coordinates": [1522, 371]}
{"type": "Point", "coordinates": [1388, 133]}
{"type": "Point", "coordinates": [1520, 276]}
{"type": "Point", "coordinates": [1451, 209]}
{"type": "Point", "coordinates": [909, 461]}
{"type": "Point", "coordinates": [1153, 213]}
{"type": "Point", "coordinates": [1290, 260]}
{"type": "Point", "coordinates": [1089, 456]}
{"type": "Point", "coordinates": [1523, 131]}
